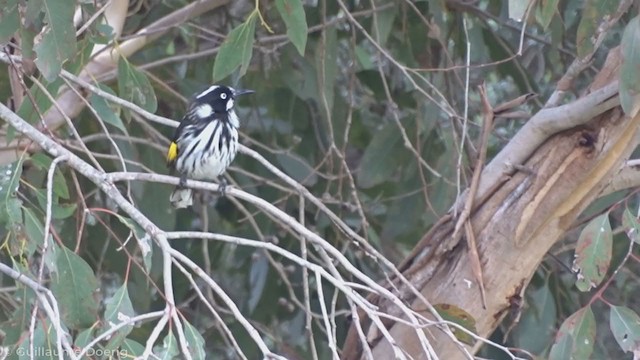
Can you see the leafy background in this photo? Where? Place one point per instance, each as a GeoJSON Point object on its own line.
{"type": "Point", "coordinates": [361, 102]}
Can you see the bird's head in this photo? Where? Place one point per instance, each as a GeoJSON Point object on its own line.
{"type": "Point", "coordinates": [217, 99]}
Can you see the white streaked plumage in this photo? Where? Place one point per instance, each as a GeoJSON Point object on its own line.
{"type": "Point", "coordinates": [233, 119]}
{"type": "Point", "coordinates": [214, 159]}
{"type": "Point", "coordinates": [204, 110]}
{"type": "Point", "coordinates": [206, 142]}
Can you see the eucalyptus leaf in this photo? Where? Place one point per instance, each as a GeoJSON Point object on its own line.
{"type": "Point", "coordinates": [625, 325]}
{"type": "Point", "coordinates": [107, 112]}
{"type": "Point", "coordinates": [169, 348]}
{"type": "Point", "coordinates": [132, 348]}
{"type": "Point", "coordinates": [10, 211]}
{"type": "Point", "coordinates": [298, 168]}
{"type": "Point", "coordinates": [593, 17]}
{"type": "Point", "coordinates": [593, 253]}
{"type": "Point", "coordinates": [292, 12]}
{"type": "Point", "coordinates": [118, 309]}
{"type": "Point", "coordinates": [236, 50]}
{"type": "Point", "coordinates": [144, 240]}
{"type": "Point", "coordinates": [546, 11]}
{"type": "Point", "coordinates": [43, 162]}
{"type": "Point", "coordinates": [75, 287]}
{"type": "Point", "coordinates": [9, 20]}
{"type": "Point", "coordinates": [576, 336]}
{"type": "Point", "coordinates": [378, 162]}
{"type": "Point", "coordinates": [195, 341]}
{"type": "Point", "coordinates": [257, 279]}
{"type": "Point", "coordinates": [133, 85]}
{"type": "Point", "coordinates": [629, 78]}
{"type": "Point", "coordinates": [58, 42]}
{"type": "Point", "coordinates": [58, 210]}
{"type": "Point", "coordinates": [327, 70]}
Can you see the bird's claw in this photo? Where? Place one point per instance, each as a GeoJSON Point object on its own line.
{"type": "Point", "coordinates": [222, 186]}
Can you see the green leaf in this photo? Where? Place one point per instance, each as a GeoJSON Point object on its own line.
{"type": "Point", "coordinates": [457, 315]}
{"type": "Point", "coordinates": [378, 162]}
{"type": "Point", "coordinates": [44, 342]}
{"type": "Point", "coordinates": [383, 24]}
{"type": "Point", "coordinates": [12, 213]}
{"type": "Point", "coordinates": [75, 285]}
{"type": "Point", "coordinates": [517, 9]}
{"type": "Point", "coordinates": [539, 318]}
{"type": "Point", "coordinates": [365, 60]}
{"type": "Point", "coordinates": [32, 113]}
{"type": "Point", "coordinates": [27, 38]}
{"type": "Point", "coordinates": [631, 225]}
{"type": "Point", "coordinates": [134, 86]}
{"type": "Point", "coordinates": [9, 20]}
{"type": "Point", "coordinates": [108, 114]}
{"type": "Point", "coordinates": [292, 12]}
{"type": "Point", "coordinates": [84, 338]}
{"type": "Point", "coordinates": [298, 168]}
{"type": "Point", "coordinates": [103, 34]}
{"type": "Point", "coordinates": [10, 210]}
{"type": "Point", "coordinates": [625, 326]}
{"type": "Point", "coordinates": [399, 221]}
{"type": "Point", "coordinates": [593, 15]}
{"type": "Point", "coordinates": [43, 162]}
{"type": "Point", "coordinates": [257, 280]}
{"type": "Point", "coordinates": [33, 229]}
{"type": "Point", "coordinates": [593, 253]}
{"type": "Point", "coordinates": [10, 179]}
{"type": "Point", "coordinates": [58, 42]}
{"type": "Point", "coordinates": [546, 10]}
{"type": "Point", "coordinates": [629, 77]}
{"type": "Point", "coordinates": [32, 14]}
{"type": "Point", "coordinates": [19, 320]}
{"type": "Point", "coordinates": [236, 50]}
{"type": "Point", "coordinates": [169, 348]}
{"type": "Point", "coordinates": [58, 211]}
{"type": "Point", "coordinates": [576, 336]}
{"type": "Point", "coordinates": [327, 70]}
{"type": "Point", "coordinates": [562, 348]}
{"type": "Point", "coordinates": [496, 46]}
{"type": "Point", "coordinates": [50, 257]}
{"type": "Point", "coordinates": [118, 309]}
{"type": "Point", "coordinates": [132, 348]}
{"type": "Point", "coordinates": [195, 341]}
{"type": "Point", "coordinates": [144, 240]}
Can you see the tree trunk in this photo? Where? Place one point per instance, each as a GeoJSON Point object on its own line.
{"type": "Point", "coordinates": [522, 215]}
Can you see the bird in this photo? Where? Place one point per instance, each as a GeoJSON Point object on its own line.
{"type": "Point", "coordinates": [205, 142]}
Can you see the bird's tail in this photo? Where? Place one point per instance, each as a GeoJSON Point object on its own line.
{"type": "Point", "coordinates": [181, 198]}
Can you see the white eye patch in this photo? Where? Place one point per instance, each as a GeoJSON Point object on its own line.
{"type": "Point", "coordinates": [229, 104]}
{"type": "Point", "coordinates": [204, 111]}
{"type": "Point", "coordinates": [223, 96]}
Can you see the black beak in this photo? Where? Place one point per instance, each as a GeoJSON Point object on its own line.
{"type": "Point", "coordinates": [238, 92]}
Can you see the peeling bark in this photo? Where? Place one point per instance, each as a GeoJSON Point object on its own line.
{"type": "Point", "coordinates": [516, 221]}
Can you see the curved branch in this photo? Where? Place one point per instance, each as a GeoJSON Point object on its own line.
{"type": "Point", "coordinates": [539, 128]}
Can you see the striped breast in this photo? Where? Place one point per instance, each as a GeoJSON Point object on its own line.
{"type": "Point", "coordinates": [207, 149]}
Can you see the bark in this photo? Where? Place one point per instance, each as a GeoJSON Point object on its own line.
{"type": "Point", "coordinates": [516, 220]}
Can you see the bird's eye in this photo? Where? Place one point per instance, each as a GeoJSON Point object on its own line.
{"type": "Point", "coordinates": [223, 96]}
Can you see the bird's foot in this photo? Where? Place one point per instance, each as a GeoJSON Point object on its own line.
{"type": "Point", "coordinates": [222, 186]}
{"type": "Point", "coordinates": [183, 181]}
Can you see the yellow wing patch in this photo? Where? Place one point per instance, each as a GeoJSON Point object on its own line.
{"type": "Point", "coordinates": [172, 154]}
